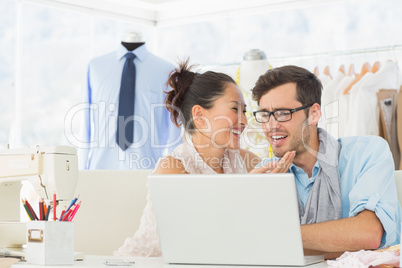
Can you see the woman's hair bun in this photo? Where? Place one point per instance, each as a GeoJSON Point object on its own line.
{"type": "Point", "coordinates": [179, 81]}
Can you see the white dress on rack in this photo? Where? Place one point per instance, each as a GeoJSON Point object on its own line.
{"type": "Point", "coordinates": [328, 106]}
{"type": "Point", "coordinates": [145, 241]}
{"type": "Point", "coordinates": [341, 105]}
{"type": "Point", "coordinates": [325, 80]}
{"type": "Point", "coordinates": [364, 110]}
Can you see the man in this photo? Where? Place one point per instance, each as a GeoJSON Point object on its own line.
{"type": "Point", "coordinates": [346, 187]}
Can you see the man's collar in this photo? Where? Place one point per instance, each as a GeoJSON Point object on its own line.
{"type": "Point", "coordinates": [140, 52]}
{"type": "Point", "coordinates": [296, 169]}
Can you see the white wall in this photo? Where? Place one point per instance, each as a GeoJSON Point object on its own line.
{"type": "Point", "coordinates": [333, 26]}
{"type": "Point", "coordinates": [43, 65]}
{"type": "Point", "coordinates": [45, 51]}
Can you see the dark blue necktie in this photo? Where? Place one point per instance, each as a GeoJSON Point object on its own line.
{"type": "Point", "coordinates": [125, 119]}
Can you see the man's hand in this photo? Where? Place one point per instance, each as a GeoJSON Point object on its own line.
{"type": "Point", "coordinates": [363, 231]}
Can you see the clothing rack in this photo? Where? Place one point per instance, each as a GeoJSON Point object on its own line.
{"type": "Point", "coordinates": [330, 54]}
{"type": "Point", "coordinates": [393, 48]}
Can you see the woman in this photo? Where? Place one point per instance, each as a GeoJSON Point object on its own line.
{"type": "Point", "coordinates": [211, 109]}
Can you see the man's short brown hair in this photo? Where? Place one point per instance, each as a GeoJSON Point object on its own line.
{"type": "Point", "coordinates": [308, 86]}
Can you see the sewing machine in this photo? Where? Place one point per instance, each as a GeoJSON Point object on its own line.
{"type": "Point", "coordinates": [49, 169]}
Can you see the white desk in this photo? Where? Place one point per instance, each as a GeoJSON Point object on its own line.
{"type": "Point", "coordinates": [96, 261]}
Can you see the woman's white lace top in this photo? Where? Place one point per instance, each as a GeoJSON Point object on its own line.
{"type": "Point", "coordinates": [145, 241]}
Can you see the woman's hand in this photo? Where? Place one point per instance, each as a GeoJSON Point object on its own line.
{"type": "Point", "coordinates": [263, 169]}
{"type": "Point", "coordinates": [282, 166]}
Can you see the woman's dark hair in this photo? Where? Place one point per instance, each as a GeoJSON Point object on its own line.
{"type": "Point", "coordinates": [191, 88]}
{"type": "Point", "coordinates": [308, 86]}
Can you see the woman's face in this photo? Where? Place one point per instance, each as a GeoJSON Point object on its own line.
{"type": "Point", "coordinates": [226, 120]}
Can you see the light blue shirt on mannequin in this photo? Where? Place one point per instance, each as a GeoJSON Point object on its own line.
{"type": "Point", "coordinates": [366, 170]}
{"type": "Point", "coordinates": [154, 132]}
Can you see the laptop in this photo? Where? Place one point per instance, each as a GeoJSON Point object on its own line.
{"type": "Point", "coordinates": [228, 219]}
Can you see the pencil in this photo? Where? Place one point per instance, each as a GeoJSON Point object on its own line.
{"type": "Point", "coordinates": [66, 215]}
{"type": "Point", "coordinates": [74, 211]}
{"type": "Point", "coordinates": [31, 209]}
{"type": "Point", "coordinates": [41, 212]}
{"type": "Point", "coordinates": [48, 212]}
{"type": "Point", "coordinates": [54, 205]}
{"type": "Point", "coordinates": [27, 210]}
{"type": "Point", "coordinates": [61, 216]}
{"type": "Point", "coordinates": [71, 204]}
{"type": "Point", "coordinates": [44, 209]}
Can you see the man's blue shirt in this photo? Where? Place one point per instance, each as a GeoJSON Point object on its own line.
{"type": "Point", "coordinates": [366, 170]}
{"type": "Point", "coordinates": [154, 132]}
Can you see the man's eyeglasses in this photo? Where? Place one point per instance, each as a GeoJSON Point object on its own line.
{"type": "Point", "coordinates": [281, 115]}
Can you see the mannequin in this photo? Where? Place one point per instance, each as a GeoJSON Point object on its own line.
{"type": "Point", "coordinates": [132, 40]}
{"type": "Point", "coordinates": [254, 64]}
{"type": "Point", "coordinates": [154, 134]}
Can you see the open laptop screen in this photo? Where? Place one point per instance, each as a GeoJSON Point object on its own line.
{"type": "Point", "coordinates": [240, 219]}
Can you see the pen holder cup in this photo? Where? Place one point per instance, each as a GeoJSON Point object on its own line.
{"type": "Point", "coordinates": [50, 243]}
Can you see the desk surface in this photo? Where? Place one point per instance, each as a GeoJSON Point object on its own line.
{"type": "Point", "coordinates": [96, 261]}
